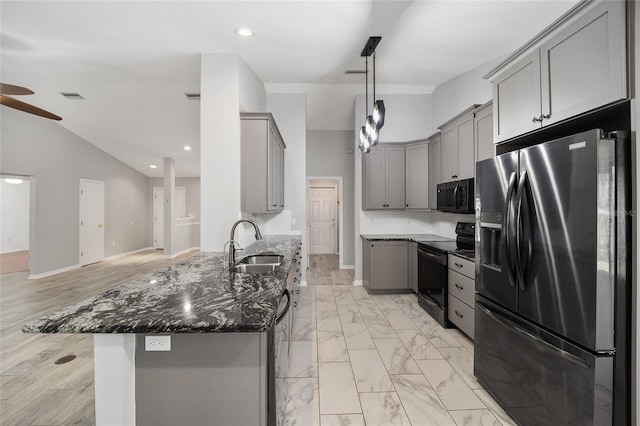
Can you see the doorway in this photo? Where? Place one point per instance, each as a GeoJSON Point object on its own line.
{"type": "Point", "coordinates": [325, 216]}
{"type": "Point", "coordinates": [91, 221]}
{"type": "Point", "coordinates": [158, 212]}
{"type": "Point", "coordinates": [15, 193]}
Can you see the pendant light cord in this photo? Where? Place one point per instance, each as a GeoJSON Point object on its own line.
{"type": "Point", "coordinates": [374, 76]}
{"type": "Point", "coordinates": [366, 88]}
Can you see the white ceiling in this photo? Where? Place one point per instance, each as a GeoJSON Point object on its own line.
{"type": "Point", "coordinates": [134, 61]}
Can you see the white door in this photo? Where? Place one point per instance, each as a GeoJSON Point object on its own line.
{"type": "Point", "coordinates": [322, 220]}
{"type": "Point", "coordinates": [158, 218]}
{"type": "Point", "coordinates": [91, 221]}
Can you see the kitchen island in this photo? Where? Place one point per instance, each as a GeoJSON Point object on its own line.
{"type": "Point", "coordinates": [223, 340]}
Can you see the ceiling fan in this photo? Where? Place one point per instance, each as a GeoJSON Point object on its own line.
{"type": "Point", "coordinates": [10, 89]}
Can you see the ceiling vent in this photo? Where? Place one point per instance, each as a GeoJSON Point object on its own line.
{"type": "Point", "coordinates": [70, 95]}
{"type": "Point", "coordinates": [193, 96]}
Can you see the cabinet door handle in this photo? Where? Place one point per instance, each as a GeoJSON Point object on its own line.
{"type": "Point", "coordinates": [458, 265]}
{"type": "Point", "coordinates": [537, 119]}
{"type": "Point", "coordinates": [545, 116]}
{"type": "Point", "coordinates": [458, 313]}
{"type": "Point", "coordinates": [407, 205]}
{"type": "Point", "coordinates": [459, 287]}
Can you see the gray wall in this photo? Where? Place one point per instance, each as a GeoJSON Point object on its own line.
{"type": "Point", "coordinates": [327, 156]}
{"type": "Point", "coordinates": [454, 96]}
{"type": "Point", "coordinates": [192, 202]}
{"type": "Point", "coordinates": [58, 159]}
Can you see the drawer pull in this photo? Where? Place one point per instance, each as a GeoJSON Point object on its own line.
{"type": "Point", "coordinates": [297, 291]}
{"type": "Point", "coordinates": [295, 304]}
{"type": "Point", "coordinates": [458, 313]}
{"type": "Point", "coordinates": [458, 264]}
{"type": "Point", "coordinates": [459, 287]}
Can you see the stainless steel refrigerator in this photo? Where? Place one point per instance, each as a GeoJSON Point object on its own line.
{"type": "Point", "coordinates": [553, 284]}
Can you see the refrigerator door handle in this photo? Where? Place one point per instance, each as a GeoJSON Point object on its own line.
{"type": "Point", "coordinates": [540, 344]}
{"type": "Point", "coordinates": [518, 261]}
{"type": "Point", "coordinates": [506, 239]}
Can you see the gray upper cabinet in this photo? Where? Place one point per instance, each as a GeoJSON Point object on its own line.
{"type": "Point", "coordinates": [384, 178]}
{"type": "Point", "coordinates": [576, 65]}
{"type": "Point", "coordinates": [417, 181]}
{"type": "Point", "coordinates": [458, 158]}
{"type": "Point", "coordinates": [261, 164]}
{"type": "Point", "coordinates": [435, 168]}
{"type": "Point", "coordinates": [483, 131]}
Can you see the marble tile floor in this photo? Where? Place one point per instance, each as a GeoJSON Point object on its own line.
{"type": "Point", "coordinates": [324, 269]}
{"type": "Point", "coordinates": [363, 359]}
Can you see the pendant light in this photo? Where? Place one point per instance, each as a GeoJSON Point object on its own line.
{"type": "Point", "coordinates": [370, 133]}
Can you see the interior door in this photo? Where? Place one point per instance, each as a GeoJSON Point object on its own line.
{"type": "Point", "coordinates": [91, 221]}
{"type": "Point", "coordinates": [322, 220]}
{"type": "Point", "coordinates": [158, 218]}
{"type": "Point", "coordinates": [158, 212]}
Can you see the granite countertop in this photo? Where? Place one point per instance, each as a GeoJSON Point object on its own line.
{"type": "Point", "coordinates": [196, 295]}
{"type": "Point", "coordinates": [465, 254]}
{"type": "Point", "coordinates": [408, 237]}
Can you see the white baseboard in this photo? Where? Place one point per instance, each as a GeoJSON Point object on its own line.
{"type": "Point", "coordinates": [303, 283]}
{"type": "Point", "coordinates": [173, 256]}
{"type": "Point", "coordinates": [357, 282]}
{"type": "Point", "coordinates": [127, 253]}
{"type": "Point", "coordinates": [54, 272]}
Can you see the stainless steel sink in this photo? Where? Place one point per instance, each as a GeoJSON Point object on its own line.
{"type": "Point", "coordinates": [258, 263]}
{"type": "Point", "coordinates": [261, 259]}
{"type": "Point", "coordinates": [253, 268]}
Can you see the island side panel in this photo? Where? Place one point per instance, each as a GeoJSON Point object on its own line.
{"type": "Point", "coordinates": [219, 377]}
{"type": "Point", "coordinates": [113, 357]}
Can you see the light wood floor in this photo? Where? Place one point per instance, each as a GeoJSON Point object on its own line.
{"type": "Point", "coordinates": [34, 390]}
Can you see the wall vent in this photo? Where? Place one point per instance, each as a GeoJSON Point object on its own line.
{"type": "Point", "coordinates": [193, 96]}
{"type": "Point", "coordinates": [70, 95]}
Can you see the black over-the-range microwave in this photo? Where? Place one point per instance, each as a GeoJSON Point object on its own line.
{"type": "Point", "coordinates": [456, 196]}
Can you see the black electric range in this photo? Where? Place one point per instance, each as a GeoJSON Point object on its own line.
{"type": "Point", "coordinates": [433, 269]}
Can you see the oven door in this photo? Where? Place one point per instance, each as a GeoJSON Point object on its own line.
{"type": "Point", "coordinates": [432, 283]}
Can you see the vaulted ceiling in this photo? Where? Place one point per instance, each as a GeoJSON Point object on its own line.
{"type": "Point", "coordinates": [134, 61]}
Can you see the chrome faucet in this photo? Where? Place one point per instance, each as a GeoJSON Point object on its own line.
{"type": "Point", "coordinates": [232, 247]}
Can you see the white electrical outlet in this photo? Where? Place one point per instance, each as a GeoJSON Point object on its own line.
{"type": "Point", "coordinates": [157, 343]}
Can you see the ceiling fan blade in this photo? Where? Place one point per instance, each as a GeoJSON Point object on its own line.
{"type": "Point", "coordinates": [22, 106]}
{"type": "Point", "coordinates": [10, 89]}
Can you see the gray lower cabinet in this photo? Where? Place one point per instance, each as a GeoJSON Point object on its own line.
{"type": "Point", "coordinates": [385, 266]}
{"type": "Point", "coordinates": [461, 290]}
{"type": "Point", "coordinates": [417, 186]}
{"type": "Point", "coordinates": [384, 178]}
{"type": "Point", "coordinates": [576, 65]}
{"type": "Point", "coordinates": [435, 168]}
{"type": "Point", "coordinates": [261, 164]}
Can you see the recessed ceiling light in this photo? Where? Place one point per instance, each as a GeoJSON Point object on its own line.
{"type": "Point", "coordinates": [70, 95]}
{"type": "Point", "coordinates": [153, 166]}
{"type": "Point", "coordinates": [13, 181]}
{"type": "Point", "coordinates": [244, 32]}
{"type": "Point", "coordinates": [187, 148]}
